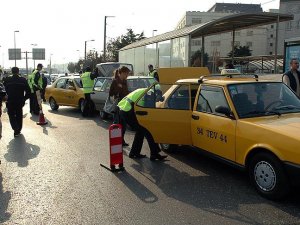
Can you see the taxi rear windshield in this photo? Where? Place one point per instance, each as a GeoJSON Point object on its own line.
{"type": "Point", "coordinates": [262, 99]}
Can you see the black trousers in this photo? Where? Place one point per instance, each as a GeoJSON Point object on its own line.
{"type": "Point", "coordinates": [140, 133]}
{"type": "Point", "coordinates": [15, 114]}
{"type": "Point", "coordinates": [88, 108]}
{"type": "Point", "coordinates": [33, 104]}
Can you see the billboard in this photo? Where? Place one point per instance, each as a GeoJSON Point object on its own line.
{"type": "Point", "coordinates": [38, 54]}
{"type": "Point", "coordinates": [14, 54]}
{"type": "Point", "coordinates": [291, 52]}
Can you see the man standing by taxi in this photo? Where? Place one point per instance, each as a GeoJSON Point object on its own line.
{"type": "Point", "coordinates": [15, 87]}
{"type": "Point", "coordinates": [292, 77]}
{"type": "Point", "coordinates": [87, 79]}
{"type": "Point", "coordinates": [153, 73]}
{"type": "Point", "coordinates": [128, 115]}
{"type": "Point", "coordinates": [35, 82]}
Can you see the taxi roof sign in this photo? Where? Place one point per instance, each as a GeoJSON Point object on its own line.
{"type": "Point", "coordinates": [230, 72]}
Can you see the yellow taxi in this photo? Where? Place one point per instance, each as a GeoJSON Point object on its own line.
{"type": "Point", "coordinates": [65, 91]}
{"type": "Point", "coordinates": [248, 123]}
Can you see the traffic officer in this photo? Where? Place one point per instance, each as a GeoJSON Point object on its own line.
{"type": "Point", "coordinates": [153, 73]}
{"type": "Point", "coordinates": [35, 82]}
{"type": "Point", "coordinates": [18, 91]}
{"type": "Point", "coordinates": [128, 115]}
{"type": "Point", "coordinates": [87, 79]}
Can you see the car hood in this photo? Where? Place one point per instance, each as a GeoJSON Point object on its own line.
{"type": "Point", "coordinates": [288, 124]}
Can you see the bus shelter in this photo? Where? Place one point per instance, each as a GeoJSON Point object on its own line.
{"type": "Point", "coordinates": [173, 49]}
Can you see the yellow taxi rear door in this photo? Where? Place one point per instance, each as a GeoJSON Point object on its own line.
{"type": "Point", "coordinates": [168, 119]}
{"type": "Point", "coordinates": [213, 131]}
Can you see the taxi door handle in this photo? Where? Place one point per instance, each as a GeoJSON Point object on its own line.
{"type": "Point", "coordinates": [141, 113]}
{"type": "Point", "coordinates": [195, 117]}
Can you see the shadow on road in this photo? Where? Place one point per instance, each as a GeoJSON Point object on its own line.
{"type": "Point", "coordinates": [217, 188]}
{"type": "Point", "coordinates": [4, 200]}
{"type": "Point", "coordinates": [73, 112]}
{"type": "Point", "coordinates": [137, 188]}
{"type": "Point", "coordinates": [18, 150]}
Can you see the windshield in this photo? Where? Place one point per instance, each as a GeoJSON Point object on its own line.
{"type": "Point", "coordinates": [261, 99]}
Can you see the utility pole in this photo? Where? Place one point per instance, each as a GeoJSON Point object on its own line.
{"type": "Point", "coordinates": [104, 44]}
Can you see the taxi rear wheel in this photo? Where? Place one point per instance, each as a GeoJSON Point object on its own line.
{"type": "Point", "coordinates": [53, 104]}
{"type": "Point", "coordinates": [168, 147]}
{"type": "Point", "coordinates": [268, 176]}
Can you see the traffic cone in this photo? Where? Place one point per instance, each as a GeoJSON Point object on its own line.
{"type": "Point", "coordinates": [42, 120]}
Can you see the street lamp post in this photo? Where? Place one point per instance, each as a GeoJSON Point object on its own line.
{"type": "Point", "coordinates": [34, 59]}
{"type": "Point", "coordinates": [104, 43]}
{"type": "Point", "coordinates": [85, 48]}
{"type": "Point", "coordinates": [16, 31]}
{"type": "Point", "coordinates": [50, 69]}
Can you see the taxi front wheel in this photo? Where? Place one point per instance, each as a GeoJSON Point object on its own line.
{"type": "Point", "coordinates": [53, 104]}
{"type": "Point", "coordinates": [268, 176]}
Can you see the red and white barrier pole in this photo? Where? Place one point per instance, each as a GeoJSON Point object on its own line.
{"type": "Point", "coordinates": [115, 146]}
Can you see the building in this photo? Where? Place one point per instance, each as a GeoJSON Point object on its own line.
{"type": "Point", "coordinates": [175, 48]}
{"type": "Point", "coordinates": [289, 29]}
{"type": "Point", "coordinates": [220, 45]}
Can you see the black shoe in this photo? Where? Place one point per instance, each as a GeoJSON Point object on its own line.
{"type": "Point", "coordinates": [136, 156]}
{"type": "Point", "coordinates": [17, 133]}
{"type": "Point", "coordinates": [158, 157]}
{"type": "Point", "coordinates": [124, 144]}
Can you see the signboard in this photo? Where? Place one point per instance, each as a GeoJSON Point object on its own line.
{"type": "Point", "coordinates": [291, 52]}
{"type": "Point", "coordinates": [38, 54]}
{"type": "Point", "coordinates": [14, 54]}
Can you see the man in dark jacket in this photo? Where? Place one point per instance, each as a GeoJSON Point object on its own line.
{"type": "Point", "coordinates": [292, 77]}
{"type": "Point", "coordinates": [18, 91]}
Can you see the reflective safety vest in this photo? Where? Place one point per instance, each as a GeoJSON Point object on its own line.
{"type": "Point", "coordinates": [31, 81]}
{"type": "Point", "coordinates": [87, 82]}
{"type": "Point", "coordinates": [125, 103]}
{"type": "Point", "coordinates": [151, 74]}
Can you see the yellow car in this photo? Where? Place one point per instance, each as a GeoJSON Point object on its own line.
{"type": "Point", "coordinates": [248, 123]}
{"type": "Point", "coordinates": [66, 91]}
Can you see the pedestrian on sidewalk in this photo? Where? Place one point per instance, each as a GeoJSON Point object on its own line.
{"type": "Point", "coordinates": [292, 77]}
{"type": "Point", "coordinates": [18, 91]}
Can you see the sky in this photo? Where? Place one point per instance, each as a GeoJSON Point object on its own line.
{"type": "Point", "coordinates": [63, 26]}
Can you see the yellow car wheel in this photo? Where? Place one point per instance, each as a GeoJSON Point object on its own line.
{"type": "Point", "coordinates": [53, 104]}
{"type": "Point", "coordinates": [267, 175]}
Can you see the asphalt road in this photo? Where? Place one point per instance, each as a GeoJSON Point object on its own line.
{"type": "Point", "coordinates": [52, 175]}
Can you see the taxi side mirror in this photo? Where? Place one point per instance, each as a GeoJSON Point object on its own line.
{"type": "Point", "coordinates": [224, 110]}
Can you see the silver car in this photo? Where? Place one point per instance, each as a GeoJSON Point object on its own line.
{"type": "Point", "coordinates": [102, 86]}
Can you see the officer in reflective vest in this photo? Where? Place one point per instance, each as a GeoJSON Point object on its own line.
{"type": "Point", "coordinates": [153, 73]}
{"type": "Point", "coordinates": [127, 113]}
{"type": "Point", "coordinates": [87, 79]}
{"type": "Point", "coordinates": [35, 83]}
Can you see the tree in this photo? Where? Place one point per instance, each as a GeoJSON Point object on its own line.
{"type": "Point", "coordinates": [196, 59]}
{"type": "Point", "coordinates": [116, 44]}
{"type": "Point", "coordinates": [71, 67]}
{"type": "Point", "coordinates": [240, 51]}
